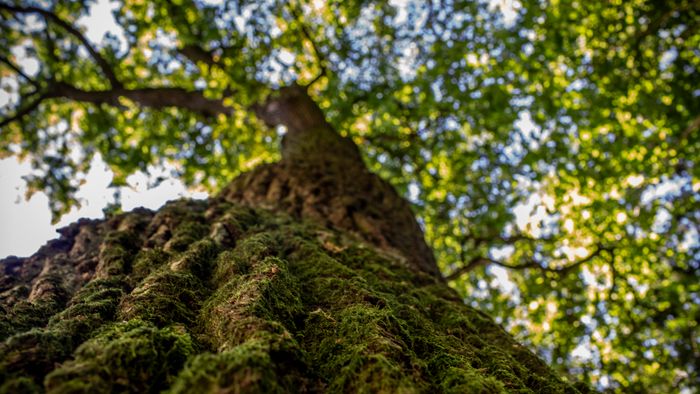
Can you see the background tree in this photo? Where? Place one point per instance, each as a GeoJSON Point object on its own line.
{"type": "Point", "coordinates": [551, 144]}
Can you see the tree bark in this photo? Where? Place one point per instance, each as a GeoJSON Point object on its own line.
{"type": "Point", "coordinates": [322, 177]}
{"type": "Point", "coordinates": [308, 275]}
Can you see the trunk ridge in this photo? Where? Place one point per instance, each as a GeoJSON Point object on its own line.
{"type": "Point", "coordinates": [322, 177]}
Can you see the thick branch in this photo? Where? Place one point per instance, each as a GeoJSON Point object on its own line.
{"type": "Point", "coordinates": [308, 133]}
{"type": "Point", "coordinates": [292, 107]}
{"type": "Point", "coordinates": [101, 61]}
{"type": "Point", "coordinates": [197, 54]}
{"type": "Point", "coordinates": [148, 97]}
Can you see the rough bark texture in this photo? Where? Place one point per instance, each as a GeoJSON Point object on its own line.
{"type": "Point", "coordinates": [322, 177]}
{"type": "Point", "coordinates": [309, 275]}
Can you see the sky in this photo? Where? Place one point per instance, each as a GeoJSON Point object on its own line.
{"type": "Point", "coordinates": [26, 224]}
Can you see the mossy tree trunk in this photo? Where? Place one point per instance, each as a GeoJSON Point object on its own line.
{"type": "Point", "coordinates": [307, 275]}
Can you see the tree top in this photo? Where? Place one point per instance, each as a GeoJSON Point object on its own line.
{"type": "Point", "coordinates": [553, 144]}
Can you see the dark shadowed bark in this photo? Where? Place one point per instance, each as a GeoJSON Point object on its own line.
{"type": "Point", "coordinates": [307, 275]}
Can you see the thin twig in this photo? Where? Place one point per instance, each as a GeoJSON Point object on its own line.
{"type": "Point", "coordinates": [320, 57]}
{"type": "Point", "coordinates": [101, 61]}
{"type": "Point", "coordinates": [34, 104]}
{"type": "Point", "coordinates": [19, 71]}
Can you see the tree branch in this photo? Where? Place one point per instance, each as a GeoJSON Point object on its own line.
{"type": "Point", "coordinates": [470, 266]}
{"type": "Point", "coordinates": [692, 127]}
{"type": "Point", "coordinates": [531, 263]}
{"type": "Point", "coordinates": [197, 54]}
{"type": "Point", "coordinates": [317, 52]}
{"type": "Point", "coordinates": [293, 107]}
{"type": "Point", "coordinates": [101, 62]}
{"type": "Point", "coordinates": [19, 71]}
{"type": "Point", "coordinates": [511, 239]}
{"type": "Point", "coordinates": [148, 97]}
{"type": "Point", "coordinates": [25, 110]}
{"type": "Point", "coordinates": [157, 98]}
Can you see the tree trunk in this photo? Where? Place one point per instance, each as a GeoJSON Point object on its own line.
{"type": "Point", "coordinates": [307, 275]}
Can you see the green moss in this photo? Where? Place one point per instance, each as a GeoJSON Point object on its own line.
{"type": "Point", "coordinates": [97, 300]}
{"type": "Point", "coordinates": [197, 259]}
{"type": "Point", "coordinates": [21, 385]}
{"type": "Point", "coordinates": [116, 253]}
{"type": "Point", "coordinates": [164, 297]}
{"type": "Point", "coordinates": [185, 234]}
{"type": "Point", "coordinates": [178, 224]}
{"type": "Point", "coordinates": [231, 222]}
{"type": "Point", "coordinates": [249, 320]}
{"type": "Point", "coordinates": [172, 293]}
{"type": "Point", "coordinates": [249, 251]}
{"type": "Point", "coordinates": [265, 363]}
{"type": "Point", "coordinates": [26, 315]}
{"type": "Point", "coordinates": [258, 303]}
{"type": "Point", "coordinates": [264, 298]}
{"type": "Point", "coordinates": [356, 350]}
{"type": "Point", "coordinates": [191, 228]}
{"type": "Point", "coordinates": [350, 333]}
{"type": "Point", "coordinates": [33, 353]}
{"type": "Point", "coordinates": [146, 262]}
{"type": "Point", "coordinates": [375, 330]}
{"type": "Point", "coordinates": [34, 307]}
{"type": "Point", "coordinates": [134, 356]}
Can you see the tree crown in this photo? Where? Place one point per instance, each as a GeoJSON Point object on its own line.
{"type": "Point", "coordinates": [553, 144]}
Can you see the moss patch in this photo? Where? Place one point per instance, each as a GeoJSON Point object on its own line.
{"type": "Point", "coordinates": [134, 356]}
{"type": "Point", "coordinates": [172, 293]}
{"type": "Point", "coordinates": [228, 299]}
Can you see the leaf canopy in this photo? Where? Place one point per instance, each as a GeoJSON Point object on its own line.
{"type": "Point", "coordinates": [549, 147]}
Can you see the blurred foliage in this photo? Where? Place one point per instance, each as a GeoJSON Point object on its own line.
{"type": "Point", "coordinates": [549, 147]}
